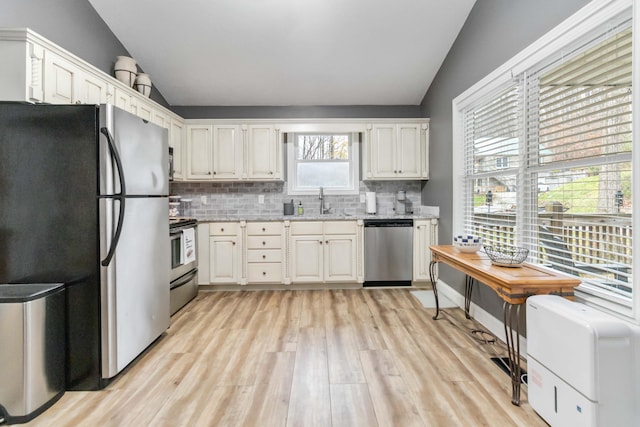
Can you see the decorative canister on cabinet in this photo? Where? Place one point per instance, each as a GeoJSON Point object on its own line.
{"type": "Point", "coordinates": [125, 70]}
{"type": "Point", "coordinates": [143, 84]}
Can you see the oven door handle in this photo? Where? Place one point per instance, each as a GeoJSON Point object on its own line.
{"type": "Point", "coordinates": [185, 279]}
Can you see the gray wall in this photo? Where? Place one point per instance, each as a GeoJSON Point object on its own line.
{"type": "Point", "coordinates": [306, 112]}
{"type": "Point", "coordinates": [494, 32]}
{"type": "Point", "coordinates": [73, 25]}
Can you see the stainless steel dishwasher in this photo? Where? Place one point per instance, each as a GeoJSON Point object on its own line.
{"type": "Point", "coordinates": [388, 252]}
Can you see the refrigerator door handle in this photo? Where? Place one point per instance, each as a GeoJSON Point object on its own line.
{"type": "Point", "coordinates": [119, 197]}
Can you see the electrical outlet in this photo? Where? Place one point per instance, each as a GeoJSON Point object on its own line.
{"type": "Point", "coordinates": [261, 199]}
{"type": "Point", "coordinates": [362, 198]}
{"type": "Point", "coordinates": [203, 200]}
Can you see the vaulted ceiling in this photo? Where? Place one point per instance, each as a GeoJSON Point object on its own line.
{"type": "Point", "coordinates": [288, 52]}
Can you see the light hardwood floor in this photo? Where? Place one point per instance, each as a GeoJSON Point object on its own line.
{"type": "Point", "coordinates": [306, 358]}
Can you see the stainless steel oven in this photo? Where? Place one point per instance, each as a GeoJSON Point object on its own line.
{"type": "Point", "coordinates": [184, 263]}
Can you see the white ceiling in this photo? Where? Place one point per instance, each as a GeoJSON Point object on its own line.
{"type": "Point", "coordinates": [287, 52]}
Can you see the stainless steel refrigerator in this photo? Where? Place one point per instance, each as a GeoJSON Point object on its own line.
{"type": "Point", "coordinates": [84, 201]}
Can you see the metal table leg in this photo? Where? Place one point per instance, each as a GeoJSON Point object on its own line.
{"type": "Point", "coordinates": [468, 288]}
{"type": "Point", "coordinates": [512, 336]}
{"type": "Point", "coordinates": [434, 279]}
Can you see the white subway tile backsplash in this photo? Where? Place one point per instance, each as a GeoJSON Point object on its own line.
{"type": "Point", "coordinates": [241, 198]}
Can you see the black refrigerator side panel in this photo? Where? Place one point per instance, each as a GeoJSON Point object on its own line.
{"type": "Point", "coordinates": [49, 218]}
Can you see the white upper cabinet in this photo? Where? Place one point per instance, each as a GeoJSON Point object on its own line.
{"type": "Point", "coordinates": [264, 158]}
{"type": "Point", "coordinates": [227, 152]}
{"type": "Point", "coordinates": [238, 152]}
{"type": "Point", "coordinates": [396, 152]}
{"type": "Point", "coordinates": [199, 146]}
{"type": "Point", "coordinates": [60, 80]}
{"type": "Point", "coordinates": [36, 70]}
{"type": "Point", "coordinates": [177, 141]}
{"type": "Point", "coordinates": [93, 90]}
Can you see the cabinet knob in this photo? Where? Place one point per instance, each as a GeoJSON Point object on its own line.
{"type": "Point", "coordinates": [208, 173]}
{"type": "Point", "coordinates": [270, 173]}
{"type": "Point", "coordinates": [395, 171]}
{"type": "Point", "coordinates": [214, 172]}
{"type": "Point", "coordinates": [222, 230]}
{"type": "Point", "coordinates": [326, 241]}
{"type": "Point", "coordinates": [264, 229]}
{"type": "Point", "coordinates": [233, 243]}
{"type": "Point", "coordinates": [399, 171]}
{"type": "Point", "coordinates": [264, 243]}
{"type": "Point", "coordinates": [264, 257]}
{"type": "Point", "coordinates": [264, 273]}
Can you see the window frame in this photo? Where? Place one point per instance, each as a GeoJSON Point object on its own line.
{"type": "Point", "coordinates": [293, 189]}
{"type": "Point", "coordinates": [579, 26]}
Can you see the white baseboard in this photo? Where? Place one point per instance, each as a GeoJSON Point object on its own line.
{"type": "Point", "coordinates": [493, 325]}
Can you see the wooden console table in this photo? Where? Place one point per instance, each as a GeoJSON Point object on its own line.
{"type": "Point", "coordinates": [512, 284]}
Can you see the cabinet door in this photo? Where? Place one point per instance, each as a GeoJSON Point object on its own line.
{"type": "Point", "coordinates": [408, 152]}
{"type": "Point", "coordinates": [93, 90]}
{"type": "Point", "coordinates": [161, 119]}
{"type": "Point", "coordinates": [424, 235]}
{"type": "Point", "coordinates": [144, 110]}
{"type": "Point", "coordinates": [383, 151]}
{"type": "Point", "coordinates": [199, 152]}
{"type": "Point", "coordinates": [340, 258]}
{"type": "Point", "coordinates": [227, 152]}
{"type": "Point", "coordinates": [263, 153]}
{"type": "Point", "coordinates": [60, 80]}
{"type": "Point", "coordinates": [122, 99]}
{"type": "Point", "coordinates": [306, 259]}
{"type": "Point", "coordinates": [223, 259]}
{"type": "Point", "coordinates": [176, 138]}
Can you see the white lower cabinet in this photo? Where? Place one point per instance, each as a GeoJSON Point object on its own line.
{"type": "Point", "coordinates": [225, 246]}
{"type": "Point", "coordinates": [326, 252]}
{"type": "Point", "coordinates": [265, 249]}
{"type": "Point", "coordinates": [425, 233]}
{"type": "Point", "coordinates": [280, 252]}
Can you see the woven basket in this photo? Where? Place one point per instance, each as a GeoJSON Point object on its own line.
{"type": "Point", "coordinates": [507, 256]}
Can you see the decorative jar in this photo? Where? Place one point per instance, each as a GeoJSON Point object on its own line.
{"type": "Point", "coordinates": [125, 70]}
{"type": "Point", "coordinates": [143, 84]}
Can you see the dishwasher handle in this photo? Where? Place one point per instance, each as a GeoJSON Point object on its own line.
{"type": "Point", "coordinates": [388, 222]}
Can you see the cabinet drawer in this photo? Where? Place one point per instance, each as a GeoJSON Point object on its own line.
{"type": "Point", "coordinates": [266, 242]}
{"type": "Point", "coordinates": [306, 227]}
{"type": "Point", "coordinates": [264, 255]}
{"type": "Point", "coordinates": [340, 227]}
{"type": "Point", "coordinates": [224, 229]}
{"type": "Point", "coordinates": [264, 272]}
{"type": "Point", "coordinates": [264, 228]}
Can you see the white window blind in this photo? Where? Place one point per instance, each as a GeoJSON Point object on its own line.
{"type": "Point", "coordinates": [491, 163]}
{"type": "Point", "coordinates": [579, 161]}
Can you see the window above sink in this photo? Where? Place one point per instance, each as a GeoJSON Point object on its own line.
{"type": "Point", "coordinates": [323, 159]}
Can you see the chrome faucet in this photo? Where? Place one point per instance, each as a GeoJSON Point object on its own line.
{"type": "Point", "coordinates": [321, 197]}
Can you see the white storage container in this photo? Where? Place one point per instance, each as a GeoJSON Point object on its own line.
{"type": "Point", "coordinates": [583, 364]}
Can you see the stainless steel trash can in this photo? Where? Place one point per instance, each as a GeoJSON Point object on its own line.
{"type": "Point", "coordinates": [32, 349]}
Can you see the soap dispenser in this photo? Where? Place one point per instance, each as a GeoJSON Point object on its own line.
{"type": "Point", "coordinates": [300, 209]}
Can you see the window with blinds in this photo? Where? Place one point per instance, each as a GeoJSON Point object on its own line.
{"type": "Point", "coordinates": [492, 160]}
{"type": "Point", "coordinates": [547, 164]}
{"type": "Point", "coordinates": [579, 152]}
